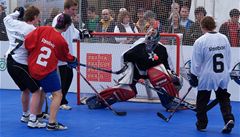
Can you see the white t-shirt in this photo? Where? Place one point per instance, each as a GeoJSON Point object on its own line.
{"type": "Point", "coordinates": [16, 31]}
{"type": "Point", "coordinates": [70, 34]}
{"type": "Point", "coordinates": [211, 61]}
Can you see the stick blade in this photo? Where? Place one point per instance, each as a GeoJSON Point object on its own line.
{"type": "Point", "coordinates": [121, 113]}
{"type": "Point", "coordinates": [162, 116]}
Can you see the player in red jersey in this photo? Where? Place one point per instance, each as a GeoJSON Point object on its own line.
{"type": "Point", "coordinates": [46, 47]}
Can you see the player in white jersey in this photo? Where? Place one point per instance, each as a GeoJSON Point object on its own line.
{"type": "Point", "coordinates": [66, 73]}
{"type": "Point", "coordinates": [210, 70]}
{"type": "Point", "coordinates": [17, 67]}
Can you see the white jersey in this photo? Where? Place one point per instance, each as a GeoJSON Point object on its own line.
{"type": "Point", "coordinates": [70, 34]}
{"type": "Point", "coordinates": [16, 31]}
{"type": "Point", "coordinates": [211, 61]}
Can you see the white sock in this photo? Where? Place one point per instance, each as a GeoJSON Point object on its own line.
{"type": "Point", "coordinates": [32, 117]}
{"type": "Point", "coordinates": [26, 113]}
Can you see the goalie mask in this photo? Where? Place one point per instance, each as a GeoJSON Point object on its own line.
{"type": "Point", "coordinates": [151, 39]}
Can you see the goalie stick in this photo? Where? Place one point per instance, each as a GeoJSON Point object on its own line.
{"type": "Point", "coordinates": [105, 102]}
{"type": "Point", "coordinates": [105, 70]}
{"type": "Point", "coordinates": [166, 119]}
{"type": "Point", "coordinates": [171, 115]}
{"type": "Point", "coordinates": [183, 73]}
{"type": "Point", "coordinates": [175, 99]}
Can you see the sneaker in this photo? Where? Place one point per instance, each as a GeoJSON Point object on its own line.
{"type": "Point", "coordinates": [56, 126]}
{"type": "Point", "coordinates": [65, 107]}
{"type": "Point", "coordinates": [25, 118]}
{"type": "Point", "coordinates": [200, 128]}
{"type": "Point", "coordinates": [43, 116]}
{"type": "Point", "coordinates": [228, 127]}
{"type": "Point", "coordinates": [36, 124]}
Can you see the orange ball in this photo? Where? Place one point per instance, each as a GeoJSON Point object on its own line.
{"type": "Point", "coordinates": [156, 57]}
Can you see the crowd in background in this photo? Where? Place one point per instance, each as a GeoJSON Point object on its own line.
{"type": "Point", "coordinates": [141, 17]}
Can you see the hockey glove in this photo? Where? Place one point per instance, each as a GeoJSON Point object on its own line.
{"type": "Point", "coordinates": [193, 80]}
{"type": "Point", "coordinates": [83, 33]}
{"type": "Point", "coordinates": [21, 11]}
{"type": "Point", "coordinates": [73, 64]}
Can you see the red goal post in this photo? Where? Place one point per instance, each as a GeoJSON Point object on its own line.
{"type": "Point", "coordinates": [177, 43]}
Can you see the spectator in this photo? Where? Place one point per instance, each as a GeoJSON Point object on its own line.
{"type": "Point", "coordinates": [184, 20]}
{"type": "Point", "coordinates": [3, 33]}
{"type": "Point", "coordinates": [195, 31]}
{"type": "Point", "coordinates": [150, 17]}
{"type": "Point", "coordinates": [93, 19]}
{"type": "Point", "coordinates": [106, 24]}
{"type": "Point", "coordinates": [175, 26]}
{"type": "Point", "coordinates": [141, 23]}
{"type": "Point", "coordinates": [175, 8]}
{"type": "Point", "coordinates": [54, 12]}
{"type": "Point", "coordinates": [124, 24]}
{"type": "Point", "coordinates": [231, 28]}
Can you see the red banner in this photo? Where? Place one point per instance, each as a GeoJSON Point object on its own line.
{"type": "Point", "coordinates": [101, 61]}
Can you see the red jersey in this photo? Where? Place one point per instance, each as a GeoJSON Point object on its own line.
{"type": "Point", "coordinates": [45, 46]}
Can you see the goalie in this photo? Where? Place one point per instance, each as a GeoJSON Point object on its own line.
{"type": "Point", "coordinates": [147, 60]}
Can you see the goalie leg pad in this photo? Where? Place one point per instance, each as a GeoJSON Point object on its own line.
{"type": "Point", "coordinates": [120, 92]}
{"type": "Point", "coordinates": [159, 78]}
{"type": "Point", "coordinates": [111, 95]}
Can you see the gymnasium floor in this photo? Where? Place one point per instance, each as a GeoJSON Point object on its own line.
{"type": "Point", "coordinates": [141, 121]}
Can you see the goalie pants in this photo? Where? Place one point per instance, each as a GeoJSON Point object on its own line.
{"type": "Point", "coordinates": [203, 98]}
{"type": "Point", "coordinates": [66, 76]}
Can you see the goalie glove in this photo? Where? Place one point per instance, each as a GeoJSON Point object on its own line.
{"type": "Point", "coordinates": [177, 80]}
{"type": "Point", "coordinates": [193, 80]}
{"type": "Point", "coordinates": [83, 33]}
{"type": "Point", "coordinates": [21, 11]}
{"type": "Point", "coordinates": [73, 64]}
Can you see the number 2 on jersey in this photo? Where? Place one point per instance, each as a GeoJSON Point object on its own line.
{"type": "Point", "coordinates": [41, 60]}
{"type": "Point", "coordinates": [218, 66]}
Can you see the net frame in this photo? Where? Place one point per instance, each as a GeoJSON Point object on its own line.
{"type": "Point", "coordinates": [177, 37]}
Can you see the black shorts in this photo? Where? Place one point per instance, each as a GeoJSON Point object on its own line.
{"type": "Point", "coordinates": [21, 76]}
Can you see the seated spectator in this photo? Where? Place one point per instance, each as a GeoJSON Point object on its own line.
{"type": "Point", "coordinates": [106, 24]}
{"type": "Point", "coordinates": [141, 23]}
{"type": "Point", "coordinates": [184, 18]}
{"type": "Point", "coordinates": [231, 28]}
{"type": "Point", "coordinates": [93, 19]}
{"type": "Point", "coordinates": [3, 33]}
{"type": "Point", "coordinates": [124, 24]}
{"type": "Point", "coordinates": [195, 31]}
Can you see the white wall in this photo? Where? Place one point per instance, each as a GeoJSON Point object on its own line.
{"type": "Point", "coordinates": [116, 51]}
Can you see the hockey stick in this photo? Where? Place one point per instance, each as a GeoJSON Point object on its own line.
{"type": "Point", "coordinates": [170, 116]}
{"type": "Point", "coordinates": [105, 70]}
{"type": "Point", "coordinates": [105, 102]}
{"type": "Point", "coordinates": [187, 104]}
{"type": "Point", "coordinates": [183, 73]}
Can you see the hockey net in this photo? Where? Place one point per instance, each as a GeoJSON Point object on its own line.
{"type": "Point", "coordinates": [107, 55]}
